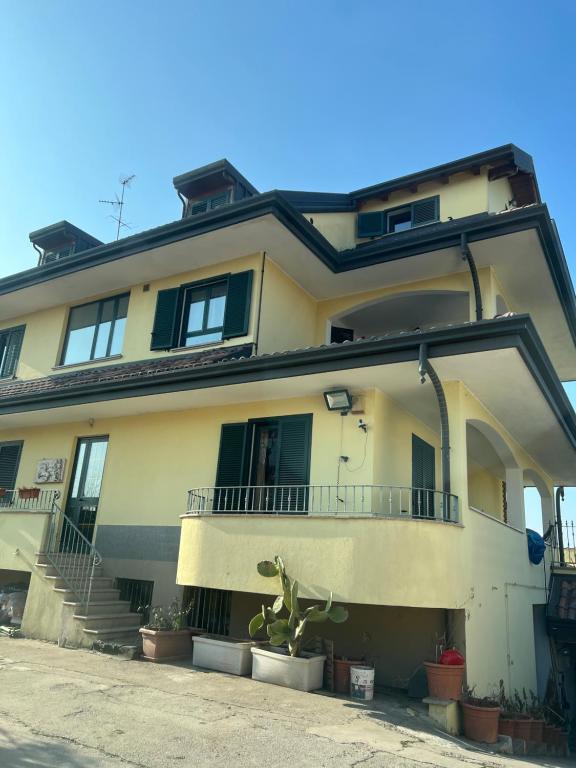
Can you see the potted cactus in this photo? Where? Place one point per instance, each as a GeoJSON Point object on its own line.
{"type": "Point", "coordinates": [290, 665]}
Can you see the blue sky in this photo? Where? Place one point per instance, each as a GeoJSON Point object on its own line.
{"type": "Point", "coordinates": [324, 95]}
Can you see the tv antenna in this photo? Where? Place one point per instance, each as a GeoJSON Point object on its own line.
{"type": "Point", "coordinates": [118, 204]}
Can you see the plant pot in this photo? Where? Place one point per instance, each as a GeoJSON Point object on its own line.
{"type": "Point", "coordinates": [2, 492]}
{"type": "Point", "coordinates": [342, 674]}
{"type": "Point", "coordinates": [28, 493]}
{"type": "Point", "coordinates": [224, 654]}
{"type": "Point", "coordinates": [444, 680]}
{"type": "Point", "coordinates": [480, 723]}
{"type": "Point", "coordinates": [166, 645]}
{"type": "Point", "coordinates": [507, 726]}
{"type": "Point", "coordinates": [524, 728]}
{"type": "Point", "coordinates": [549, 734]}
{"type": "Point", "coordinates": [275, 666]}
{"type": "Point", "coordinates": [537, 731]}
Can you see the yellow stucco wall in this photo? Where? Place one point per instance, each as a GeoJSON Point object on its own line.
{"type": "Point", "coordinates": [288, 314]}
{"type": "Point", "coordinates": [464, 195]}
{"type": "Point", "coordinates": [484, 491]}
{"type": "Point", "coordinates": [45, 330]}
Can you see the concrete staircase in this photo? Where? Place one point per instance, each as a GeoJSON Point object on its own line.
{"type": "Point", "coordinates": [106, 618]}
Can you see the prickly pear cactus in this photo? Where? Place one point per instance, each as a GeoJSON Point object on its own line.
{"type": "Point", "coordinates": [289, 631]}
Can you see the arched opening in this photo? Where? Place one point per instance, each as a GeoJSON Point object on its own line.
{"type": "Point", "coordinates": [538, 502]}
{"type": "Point", "coordinates": [412, 311]}
{"type": "Point", "coordinates": [495, 481]}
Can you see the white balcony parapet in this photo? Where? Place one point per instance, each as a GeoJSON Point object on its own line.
{"type": "Point", "coordinates": [383, 501]}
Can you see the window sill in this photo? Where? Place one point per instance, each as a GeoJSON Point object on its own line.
{"type": "Point", "coordinates": [86, 362]}
{"type": "Point", "coordinates": [208, 345]}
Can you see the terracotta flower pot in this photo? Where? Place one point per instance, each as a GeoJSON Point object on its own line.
{"type": "Point", "coordinates": [549, 734]}
{"type": "Point", "coordinates": [29, 493]}
{"type": "Point", "coordinates": [537, 731]}
{"type": "Point", "coordinates": [165, 645]}
{"type": "Point", "coordinates": [507, 726]}
{"type": "Point", "coordinates": [480, 723]}
{"type": "Point", "coordinates": [342, 674]}
{"type": "Point", "coordinates": [524, 728]}
{"type": "Point", "coordinates": [444, 680]}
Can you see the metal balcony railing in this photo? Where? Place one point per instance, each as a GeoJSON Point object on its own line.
{"type": "Point", "coordinates": [386, 501]}
{"type": "Point", "coordinates": [563, 542]}
{"type": "Point", "coordinates": [27, 500]}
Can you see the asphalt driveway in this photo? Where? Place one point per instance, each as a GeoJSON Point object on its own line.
{"type": "Point", "coordinates": [77, 709]}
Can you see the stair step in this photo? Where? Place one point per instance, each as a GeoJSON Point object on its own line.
{"type": "Point", "coordinates": [118, 621]}
{"type": "Point", "coordinates": [95, 595]}
{"type": "Point", "coordinates": [112, 632]}
{"type": "Point", "coordinates": [101, 606]}
{"type": "Point", "coordinates": [51, 570]}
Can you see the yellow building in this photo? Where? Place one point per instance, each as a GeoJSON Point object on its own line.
{"type": "Point", "coordinates": [362, 383]}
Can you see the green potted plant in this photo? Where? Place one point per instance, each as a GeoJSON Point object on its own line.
{"type": "Point", "coordinates": [523, 725]}
{"type": "Point", "coordinates": [508, 713]}
{"type": "Point", "coordinates": [290, 665]}
{"type": "Point", "coordinates": [536, 711]}
{"type": "Point", "coordinates": [481, 716]}
{"type": "Point", "coordinates": [166, 637]}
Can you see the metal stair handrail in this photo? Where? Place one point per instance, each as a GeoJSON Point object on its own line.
{"type": "Point", "coordinates": [71, 554]}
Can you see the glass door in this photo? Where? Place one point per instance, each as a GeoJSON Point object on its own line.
{"type": "Point", "coordinates": [84, 495]}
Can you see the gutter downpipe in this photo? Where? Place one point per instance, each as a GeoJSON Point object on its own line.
{"type": "Point", "coordinates": [426, 367]}
{"type": "Point", "coordinates": [184, 203]}
{"type": "Point", "coordinates": [467, 256]}
{"type": "Point", "coordinates": [559, 537]}
{"type": "Point", "coordinates": [257, 339]}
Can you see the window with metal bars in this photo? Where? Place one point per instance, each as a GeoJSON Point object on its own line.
{"type": "Point", "coordinates": [210, 609]}
{"type": "Point", "coordinates": [139, 593]}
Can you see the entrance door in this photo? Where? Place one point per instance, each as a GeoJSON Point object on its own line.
{"type": "Point", "coordinates": [84, 494]}
{"type": "Point", "coordinates": [423, 478]}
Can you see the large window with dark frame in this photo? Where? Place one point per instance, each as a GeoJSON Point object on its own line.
{"type": "Point", "coordinates": [96, 330]}
{"type": "Point", "coordinates": [203, 315]}
{"type": "Point", "coordinates": [10, 346]}
{"type": "Point", "coordinates": [400, 219]}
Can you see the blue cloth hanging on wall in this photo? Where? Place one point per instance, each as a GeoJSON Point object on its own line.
{"type": "Point", "coordinates": [536, 546]}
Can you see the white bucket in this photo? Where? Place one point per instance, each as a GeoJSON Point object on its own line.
{"type": "Point", "coordinates": [362, 683]}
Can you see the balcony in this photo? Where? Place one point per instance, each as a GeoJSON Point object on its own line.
{"type": "Point", "coordinates": [371, 544]}
{"type": "Point", "coordinates": [325, 500]}
{"type": "Point", "coordinates": [24, 523]}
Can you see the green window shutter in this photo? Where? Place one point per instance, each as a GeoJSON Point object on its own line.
{"type": "Point", "coordinates": [232, 467]}
{"type": "Point", "coordinates": [371, 224]}
{"type": "Point", "coordinates": [237, 312]}
{"type": "Point", "coordinates": [9, 461]}
{"type": "Point", "coordinates": [294, 460]}
{"type": "Point", "coordinates": [13, 346]}
{"type": "Point", "coordinates": [423, 477]}
{"type": "Point", "coordinates": [166, 319]}
{"type": "Point", "coordinates": [425, 211]}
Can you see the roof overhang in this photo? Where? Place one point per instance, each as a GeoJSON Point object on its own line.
{"type": "Point", "coordinates": [522, 244]}
{"type": "Point", "coordinates": [502, 362]}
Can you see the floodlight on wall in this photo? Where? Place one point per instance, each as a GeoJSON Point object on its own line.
{"type": "Point", "coordinates": [338, 400]}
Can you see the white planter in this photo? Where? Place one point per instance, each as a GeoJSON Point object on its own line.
{"type": "Point", "coordinates": [277, 667]}
{"type": "Point", "coordinates": [223, 654]}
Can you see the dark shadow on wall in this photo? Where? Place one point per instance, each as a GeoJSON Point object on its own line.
{"type": "Point", "coordinates": [17, 752]}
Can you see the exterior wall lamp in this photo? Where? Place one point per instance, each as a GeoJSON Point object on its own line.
{"type": "Point", "coordinates": [338, 400]}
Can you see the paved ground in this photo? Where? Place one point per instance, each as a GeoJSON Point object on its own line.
{"type": "Point", "coordinates": [76, 709]}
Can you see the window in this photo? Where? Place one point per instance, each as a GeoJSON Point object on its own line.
{"type": "Point", "coordinates": [204, 312]}
{"type": "Point", "coordinates": [10, 346]}
{"type": "Point", "coordinates": [95, 330]}
{"type": "Point", "coordinates": [9, 463]}
{"type": "Point", "coordinates": [378, 223]}
{"type": "Point", "coordinates": [208, 203]}
{"type": "Point", "coordinates": [139, 593]}
{"type": "Point", "coordinates": [203, 319]}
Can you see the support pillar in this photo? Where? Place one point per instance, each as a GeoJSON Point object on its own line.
{"type": "Point", "coordinates": [515, 498]}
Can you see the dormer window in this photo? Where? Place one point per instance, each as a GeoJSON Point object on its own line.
{"type": "Point", "coordinates": [60, 241]}
{"type": "Point", "coordinates": [209, 203]}
{"type": "Point", "coordinates": [417, 214]}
